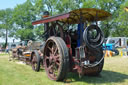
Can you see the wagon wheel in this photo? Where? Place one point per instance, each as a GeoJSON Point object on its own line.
{"type": "Point", "coordinates": [56, 59]}
{"type": "Point", "coordinates": [35, 61]}
{"type": "Point", "coordinates": [56, 30]}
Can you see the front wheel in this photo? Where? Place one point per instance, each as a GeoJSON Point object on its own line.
{"type": "Point", "coordinates": [116, 52]}
{"type": "Point", "coordinates": [56, 58]}
{"type": "Point", "coordinates": [35, 61]}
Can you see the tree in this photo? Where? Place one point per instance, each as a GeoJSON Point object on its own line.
{"type": "Point", "coordinates": [6, 23]}
{"type": "Point", "coordinates": [111, 6]}
{"type": "Point", "coordinates": [54, 7]}
{"type": "Point", "coordinates": [23, 16]}
{"type": "Point", "coordinates": [20, 19]}
{"type": "Point", "coordinates": [122, 20]}
{"type": "Point", "coordinates": [62, 6]}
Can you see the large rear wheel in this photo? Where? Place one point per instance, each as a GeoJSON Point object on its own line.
{"type": "Point", "coordinates": [56, 59]}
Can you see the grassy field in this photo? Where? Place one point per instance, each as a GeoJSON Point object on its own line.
{"type": "Point", "coordinates": [115, 72]}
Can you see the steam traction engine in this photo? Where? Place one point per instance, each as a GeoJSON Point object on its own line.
{"type": "Point", "coordinates": [71, 44]}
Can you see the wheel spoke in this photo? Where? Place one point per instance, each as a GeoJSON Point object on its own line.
{"type": "Point", "coordinates": [47, 58]}
{"type": "Point", "coordinates": [57, 63]}
{"type": "Point", "coordinates": [50, 69]}
{"type": "Point", "coordinates": [54, 74]}
{"type": "Point", "coordinates": [56, 49]}
{"type": "Point", "coordinates": [57, 58]}
{"type": "Point", "coordinates": [55, 71]}
{"type": "Point", "coordinates": [34, 60]}
{"type": "Point", "coordinates": [54, 57]}
{"type": "Point", "coordinates": [50, 48]}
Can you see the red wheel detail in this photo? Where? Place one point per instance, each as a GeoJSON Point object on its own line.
{"type": "Point", "coordinates": [55, 60]}
{"type": "Point", "coordinates": [52, 61]}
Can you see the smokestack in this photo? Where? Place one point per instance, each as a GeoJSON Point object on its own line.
{"type": "Point", "coordinates": [46, 14]}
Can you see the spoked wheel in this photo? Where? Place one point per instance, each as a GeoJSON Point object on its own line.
{"type": "Point", "coordinates": [56, 59]}
{"type": "Point", "coordinates": [35, 61]}
{"type": "Point", "coordinates": [56, 30]}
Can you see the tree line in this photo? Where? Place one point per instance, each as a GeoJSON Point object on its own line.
{"type": "Point", "coordinates": [16, 22]}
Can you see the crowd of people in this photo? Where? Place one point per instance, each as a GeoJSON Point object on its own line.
{"type": "Point", "coordinates": [2, 50]}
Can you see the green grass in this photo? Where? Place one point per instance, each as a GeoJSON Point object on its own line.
{"type": "Point", "coordinates": [115, 72]}
{"type": "Point", "coordinates": [3, 54]}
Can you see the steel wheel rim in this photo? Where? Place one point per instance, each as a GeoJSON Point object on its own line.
{"type": "Point", "coordinates": [52, 60]}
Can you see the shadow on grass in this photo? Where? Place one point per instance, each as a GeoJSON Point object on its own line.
{"type": "Point", "coordinates": [104, 77]}
{"type": "Point", "coordinates": [42, 70]}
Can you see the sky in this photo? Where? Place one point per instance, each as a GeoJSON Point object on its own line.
{"type": "Point", "coordinates": [9, 4]}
